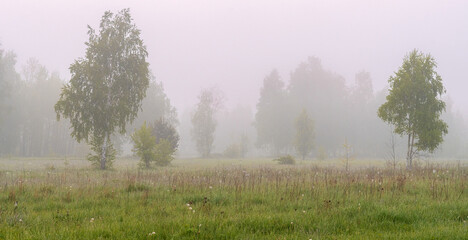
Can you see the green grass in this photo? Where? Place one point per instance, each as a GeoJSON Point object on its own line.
{"type": "Point", "coordinates": [232, 200]}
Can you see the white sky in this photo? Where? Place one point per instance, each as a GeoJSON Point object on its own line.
{"type": "Point", "coordinates": [233, 44]}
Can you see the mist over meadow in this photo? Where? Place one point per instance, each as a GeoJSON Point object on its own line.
{"type": "Point", "coordinates": [332, 59]}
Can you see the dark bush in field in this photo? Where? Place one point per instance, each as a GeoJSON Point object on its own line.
{"type": "Point", "coordinates": [286, 160]}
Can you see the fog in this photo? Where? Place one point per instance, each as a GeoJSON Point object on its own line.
{"type": "Point", "coordinates": [234, 45]}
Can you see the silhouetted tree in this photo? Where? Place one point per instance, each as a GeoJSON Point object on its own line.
{"type": "Point", "coordinates": [304, 141]}
{"type": "Point", "coordinates": [273, 119]}
{"type": "Point", "coordinates": [204, 122]}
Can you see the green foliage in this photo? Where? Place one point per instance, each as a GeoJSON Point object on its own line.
{"type": "Point", "coordinates": [144, 144]}
{"type": "Point", "coordinates": [204, 122]}
{"type": "Point", "coordinates": [151, 149]}
{"type": "Point", "coordinates": [304, 141]}
{"type": "Point", "coordinates": [98, 147]}
{"type": "Point", "coordinates": [162, 129]}
{"type": "Point", "coordinates": [413, 104]}
{"type": "Point", "coordinates": [286, 160]}
{"type": "Point", "coordinates": [108, 85]}
{"type": "Point", "coordinates": [164, 152]}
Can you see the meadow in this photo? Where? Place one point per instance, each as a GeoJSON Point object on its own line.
{"type": "Point", "coordinates": [232, 199]}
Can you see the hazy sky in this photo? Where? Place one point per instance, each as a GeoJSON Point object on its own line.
{"type": "Point", "coordinates": [195, 44]}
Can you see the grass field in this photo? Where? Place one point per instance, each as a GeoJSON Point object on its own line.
{"type": "Point", "coordinates": [231, 199]}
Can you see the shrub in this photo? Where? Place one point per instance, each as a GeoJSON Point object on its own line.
{"type": "Point", "coordinates": [164, 152]}
{"type": "Point", "coordinates": [144, 145]}
{"type": "Point", "coordinates": [163, 129]}
{"type": "Point", "coordinates": [286, 160]}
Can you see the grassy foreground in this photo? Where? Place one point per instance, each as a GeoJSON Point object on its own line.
{"type": "Point", "coordinates": [235, 202]}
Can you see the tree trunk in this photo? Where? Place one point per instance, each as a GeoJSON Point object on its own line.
{"type": "Point", "coordinates": [412, 151]}
{"type": "Point", "coordinates": [103, 154]}
{"type": "Point", "coordinates": [409, 159]}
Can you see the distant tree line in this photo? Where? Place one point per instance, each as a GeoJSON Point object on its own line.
{"type": "Point", "coordinates": [338, 112]}
{"type": "Point", "coordinates": [28, 125]}
{"type": "Point", "coordinates": [112, 99]}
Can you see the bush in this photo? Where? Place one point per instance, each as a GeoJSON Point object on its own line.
{"type": "Point", "coordinates": [164, 152]}
{"type": "Point", "coordinates": [165, 130]}
{"type": "Point", "coordinates": [144, 145]}
{"type": "Point", "coordinates": [286, 160]}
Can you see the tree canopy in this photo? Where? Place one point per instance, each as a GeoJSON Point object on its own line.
{"type": "Point", "coordinates": [414, 105]}
{"type": "Point", "coordinates": [107, 85]}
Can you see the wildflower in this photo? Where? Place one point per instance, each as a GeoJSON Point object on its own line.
{"type": "Point", "coordinates": [199, 225]}
{"type": "Point", "coordinates": [303, 211]}
{"type": "Point", "coordinates": [303, 194]}
{"type": "Point", "coordinates": [188, 204]}
{"type": "Point", "coordinates": [292, 223]}
{"type": "Point", "coordinates": [190, 208]}
{"type": "Point", "coordinates": [211, 187]}
{"type": "Point", "coordinates": [16, 203]}
{"type": "Point", "coordinates": [193, 211]}
{"type": "Point", "coordinates": [92, 220]}
{"type": "Point", "coordinates": [20, 220]}
{"type": "Point", "coordinates": [434, 171]}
